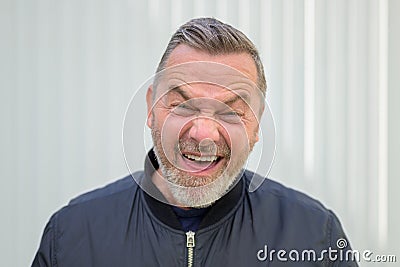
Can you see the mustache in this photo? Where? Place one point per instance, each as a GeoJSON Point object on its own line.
{"type": "Point", "coordinates": [209, 147]}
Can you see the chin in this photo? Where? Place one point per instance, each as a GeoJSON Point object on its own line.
{"type": "Point", "coordinates": [200, 196]}
{"type": "Point", "coordinates": [194, 197]}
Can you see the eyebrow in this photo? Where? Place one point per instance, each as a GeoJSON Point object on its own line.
{"type": "Point", "coordinates": [235, 98]}
{"type": "Point", "coordinates": [178, 89]}
{"type": "Point", "coordinates": [229, 101]}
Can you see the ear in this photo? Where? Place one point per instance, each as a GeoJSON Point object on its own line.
{"type": "Point", "coordinates": [262, 108]}
{"type": "Point", "coordinates": [258, 117]}
{"type": "Point", "coordinates": [149, 101]}
{"type": "Point", "coordinates": [257, 137]}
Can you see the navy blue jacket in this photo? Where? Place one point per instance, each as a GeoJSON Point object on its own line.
{"type": "Point", "coordinates": [121, 225]}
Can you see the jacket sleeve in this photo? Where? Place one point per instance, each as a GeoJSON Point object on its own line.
{"type": "Point", "coordinates": [340, 243]}
{"type": "Point", "coordinates": [45, 256]}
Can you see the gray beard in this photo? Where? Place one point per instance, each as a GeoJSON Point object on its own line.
{"type": "Point", "coordinates": [203, 195]}
{"type": "Point", "coordinates": [199, 196]}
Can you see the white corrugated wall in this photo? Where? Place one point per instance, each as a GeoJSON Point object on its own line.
{"type": "Point", "coordinates": [69, 69]}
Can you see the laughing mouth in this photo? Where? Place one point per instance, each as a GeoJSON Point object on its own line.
{"type": "Point", "coordinates": [200, 159]}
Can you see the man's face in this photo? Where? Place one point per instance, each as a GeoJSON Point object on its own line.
{"type": "Point", "coordinates": [204, 117]}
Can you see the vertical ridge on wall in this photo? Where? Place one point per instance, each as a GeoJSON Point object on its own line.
{"type": "Point", "coordinates": [356, 121]}
{"type": "Point", "coordinates": [383, 125]}
{"type": "Point", "coordinates": [309, 87]}
{"type": "Point", "coordinates": [372, 130]}
{"type": "Point", "coordinates": [288, 87]}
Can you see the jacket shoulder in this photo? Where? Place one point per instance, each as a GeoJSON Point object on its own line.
{"type": "Point", "coordinates": [285, 196]}
{"type": "Point", "coordinates": [118, 186]}
{"type": "Point", "coordinates": [69, 233]}
{"type": "Point", "coordinates": [298, 219]}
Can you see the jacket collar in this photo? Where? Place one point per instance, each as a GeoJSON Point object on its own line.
{"type": "Point", "coordinates": [164, 211]}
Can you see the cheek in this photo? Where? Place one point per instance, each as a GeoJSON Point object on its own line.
{"type": "Point", "coordinates": [244, 136]}
{"type": "Point", "coordinates": [236, 137]}
{"type": "Point", "coordinates": [170, 129]}
{"type": "Point", "coordinates": [252, 127]}
{"type": "Point", "coordinates": [253, 135]}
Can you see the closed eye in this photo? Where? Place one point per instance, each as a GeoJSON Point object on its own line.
{"type": "Point", "coordinates": [184, 110]}
{"type": "Point", "coordinates": [231, 116]}
{"type": "Point", "coordinates": [232, 113]}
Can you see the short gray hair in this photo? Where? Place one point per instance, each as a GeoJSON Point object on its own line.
{"type": "Point", "coordinates": [216, 38]}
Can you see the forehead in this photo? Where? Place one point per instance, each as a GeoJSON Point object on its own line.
{"type": "Point", "coordinates": [241, 62]}
{"type": "Point", "coordinates": [231, 72]}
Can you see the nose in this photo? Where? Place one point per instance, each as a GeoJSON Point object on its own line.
{"type": "Point", "coordinates": [204, 128]}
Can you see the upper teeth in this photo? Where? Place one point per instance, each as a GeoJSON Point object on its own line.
{"type": "Point", "coordinates": [201, 158]}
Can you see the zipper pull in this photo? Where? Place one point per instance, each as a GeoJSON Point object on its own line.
{"type": "Point", "coordinates": [190, 247]}
{"type": "Point", "coordinates": [190, 239]}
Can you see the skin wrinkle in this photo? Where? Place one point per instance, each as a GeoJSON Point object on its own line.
{"type": "Point", "coordinates": [232, 79]}
{"type": "Point", "coordinates": [175, 128]}
{"type": "Point", "coordinates": [184, 75]}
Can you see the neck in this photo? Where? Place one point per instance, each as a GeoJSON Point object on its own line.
{"type": "Point", "coordinates": [161, 183]}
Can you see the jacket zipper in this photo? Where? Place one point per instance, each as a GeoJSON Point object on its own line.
{"type": "Point", "coordinates": [190, 247]}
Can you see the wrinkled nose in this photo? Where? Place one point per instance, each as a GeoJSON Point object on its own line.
{"type": "Point", "coordinates": [204, 128]}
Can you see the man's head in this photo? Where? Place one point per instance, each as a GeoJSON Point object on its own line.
{"type": "Point", "coordinates": [204, 109]}
{"type": "Point", "coordinates": [216, 38]}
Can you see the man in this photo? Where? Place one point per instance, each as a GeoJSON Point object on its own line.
{"type": "Point", "coordinates": [191, 206]}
